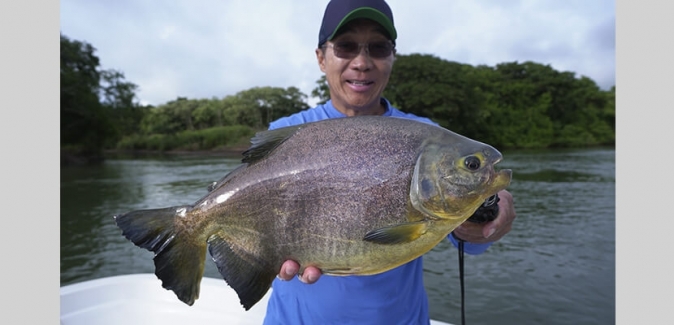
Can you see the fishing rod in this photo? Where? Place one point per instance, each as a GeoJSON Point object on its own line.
{"type": "Point", "coordinates": [485, 213]}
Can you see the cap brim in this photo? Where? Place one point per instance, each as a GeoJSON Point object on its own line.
{"type": "Point", "coordinates": [369, 13]}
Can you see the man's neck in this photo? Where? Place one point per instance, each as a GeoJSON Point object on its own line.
{"type": "Point", "coordinates": [378, 108]}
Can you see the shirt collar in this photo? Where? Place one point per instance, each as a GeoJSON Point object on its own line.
{"type": "Point", "coordinates": [333, 112]}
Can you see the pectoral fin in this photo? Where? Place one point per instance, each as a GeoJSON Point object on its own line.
{"type": "Point", "coordinates": [397, 234]}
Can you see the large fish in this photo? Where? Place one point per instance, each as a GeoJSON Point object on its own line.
{"type": "Point", "coordinates": [351, 196]}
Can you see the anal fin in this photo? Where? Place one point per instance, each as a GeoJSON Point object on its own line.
{"type": "Point", "coordinates": [247, 274]}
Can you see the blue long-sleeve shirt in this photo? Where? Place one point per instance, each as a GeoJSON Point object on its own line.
{"type": "Point", "coordinates": [397, 296]}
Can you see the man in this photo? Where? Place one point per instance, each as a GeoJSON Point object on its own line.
{"type": "Point", "coordinates": [356, 50]}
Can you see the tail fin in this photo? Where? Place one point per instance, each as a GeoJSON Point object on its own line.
{"type": "Point", "coordinates": [179, 259]}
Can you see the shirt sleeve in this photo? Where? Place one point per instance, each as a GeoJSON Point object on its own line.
{"type": "Point", "coordinates": [283, 122]}
{"type": "Point", "coordinates": [470, 248]}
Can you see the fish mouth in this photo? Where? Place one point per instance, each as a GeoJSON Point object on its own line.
{"type": "Point", "coordinates": [502, 179]}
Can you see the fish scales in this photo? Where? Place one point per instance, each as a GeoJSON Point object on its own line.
{"type": "Point", "coordinates": [323, 179]}
{"type": "Point", "coordinates": [352, 196]}
{"type": "Point", "coordinates": [333, 170]}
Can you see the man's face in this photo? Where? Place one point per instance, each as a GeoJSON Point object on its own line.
{"type": "Point", "coordinates": [356, 83]}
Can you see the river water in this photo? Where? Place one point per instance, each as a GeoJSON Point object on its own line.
{"type": "Point", "coordinates": [556, 266]}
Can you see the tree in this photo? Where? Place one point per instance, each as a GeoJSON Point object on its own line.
{"type": "Point", "coordinates": [208, 113]}
{"type": "Point", "coordinates": [438, 89]}
{"type": "Point", "coordinates": [255, 107]}
{"type": "Point", "coordinates": [97, 106]}
{"type": "Point", "coordinates": [119, 97]}
{"type": "Point", "coordinates": [85, 126]}
{"type": "Point", "coordinates": [261, 105]}
{"type": "Point", "coordinates": [322, 91]}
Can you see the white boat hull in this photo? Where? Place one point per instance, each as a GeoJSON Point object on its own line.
{"type": "Point", "coordinates": [140, 299]}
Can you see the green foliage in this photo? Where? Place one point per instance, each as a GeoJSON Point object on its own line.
{"type": "Point", "coordinates": [160, 142]}
{"type": "Point", "coordinates": [528, 127]}
{"type": "Point", "coordinates": [209, 113]}
{"type": "Point", "coordinates": [255, 108]}
{"type": "Point", "coordinates": [511, 105]}
{"type": "Point", "coordinates": [172, 117]}
{"type": "Point", "coordinates": [206, 139]}
{"type": "Point", "coordinates": [84, 123]}
{"type": "Point", "coordinates": [438, 89]}
{"type": "Point", "coordinates": [518, 105]}
{"type": "Point", "coordinates": [575, 136]}
{"type": "Point", "coordinates": [322, 91]}
{"type": "Point", "coordinates": [97, 105]}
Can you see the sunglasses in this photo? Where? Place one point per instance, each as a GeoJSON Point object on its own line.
{"type": "Point", "coordinates": [351, 49]}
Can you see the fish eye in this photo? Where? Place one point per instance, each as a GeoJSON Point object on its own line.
{"type": "Point", "coordinates": [472, 163]}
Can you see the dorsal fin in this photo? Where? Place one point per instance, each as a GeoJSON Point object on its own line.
{"type": "Point", "coordinates": [265, 142]}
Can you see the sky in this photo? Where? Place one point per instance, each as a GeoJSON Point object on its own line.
{"type": "Point", "coordinates": [212, 49]}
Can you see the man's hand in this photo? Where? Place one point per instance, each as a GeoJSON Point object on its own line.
{"type": "Point", "coordinates": [290, 268]}
{"type": "Point", "coordinates": [490, 231]}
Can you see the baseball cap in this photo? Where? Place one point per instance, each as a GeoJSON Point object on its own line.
{"type": "Point", "coordinates": [340, 12]}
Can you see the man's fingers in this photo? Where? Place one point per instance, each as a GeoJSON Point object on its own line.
{"type": "Point", "coordinates": [310, 275]}
{"type": "Point", "coordinates": [288, 270]}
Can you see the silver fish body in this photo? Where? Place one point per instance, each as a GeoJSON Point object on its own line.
{"type": "Point", "coordinates": [351, 196]}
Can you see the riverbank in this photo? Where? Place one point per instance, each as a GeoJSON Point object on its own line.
{"type": "Point", "coordinates": [233, 151]}
{"type": "Point", "coordinates": [72, 159]}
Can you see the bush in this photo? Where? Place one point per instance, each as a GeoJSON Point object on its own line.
{"type": "Point", "coordinates": [206, 139]}
{"type": "Point", "coordinates": [574, 136]}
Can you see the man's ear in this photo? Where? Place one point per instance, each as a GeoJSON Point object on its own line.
{"type": "Point", "coordinates": [320, 57]}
